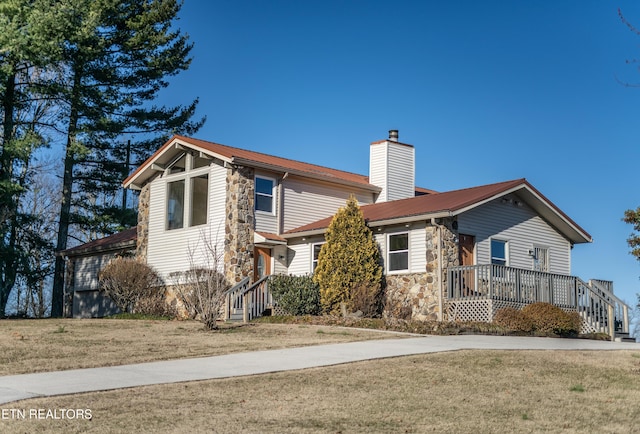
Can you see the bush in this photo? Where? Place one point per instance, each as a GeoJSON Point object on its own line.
{"type": "Point", "coordinates": [202, 293]}
{"type": "Point", "coordinates": [513, 319]}
{"type": "Point", "coordinates": [366, 298]}
{"type": "Point", "coordinates": [297, 295]}
{"type": "Point", "coordinates": [134, 286]}
{"type": "Point", "coordinates": [548, 318]}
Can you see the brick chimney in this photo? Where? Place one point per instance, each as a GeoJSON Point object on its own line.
{"type": "Point", "coordinates": [392, 168]}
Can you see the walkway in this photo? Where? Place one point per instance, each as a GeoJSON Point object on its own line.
{"type": "Point", "coordinates": [18, 387]}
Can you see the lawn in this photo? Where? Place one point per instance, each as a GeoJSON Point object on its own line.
{"type": "Point", "coordinates": [55, 344]}
{"type": "Point", "coordinates": [462, 391]}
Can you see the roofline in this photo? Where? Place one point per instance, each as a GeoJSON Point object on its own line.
{"type": "Point", "coordinates": [100, 249]}
{"type": "Point", "coordinates": [184, 141]}
{"type": "Point", "coordinates": [274, 168]}
{"type": "Point", "coordinates": [580, 234]}
{"type": "Point", "coordinates": [375, 223]}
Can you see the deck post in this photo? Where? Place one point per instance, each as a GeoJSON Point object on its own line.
{"type": "Point", "coordinates": [611, 322]}
{"type": "Point", "coordinates": [625, 318]}
{"type": "Point", "coordinates": [245, 307]}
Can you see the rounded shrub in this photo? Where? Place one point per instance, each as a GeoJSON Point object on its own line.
{"type": "Point", "coordinates": [513, 319]}
{"type": "Point", "coordinates": [550, 319]}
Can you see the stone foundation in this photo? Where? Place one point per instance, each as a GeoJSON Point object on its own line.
{"type": "Point", "coordinates": [412, 296]}
{"type": "Point", "coordinates": [418, 296]}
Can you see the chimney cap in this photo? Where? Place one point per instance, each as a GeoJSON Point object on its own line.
{"type": "Point", "coordinates": [393, 135]}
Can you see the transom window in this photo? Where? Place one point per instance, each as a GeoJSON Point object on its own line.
{"type": "Point", "coordinates": [398, 252]}
{"type": "Point", "coordinates": [498, 252]}
{"type": "Point", "coordinates": [187, 192]}
{"type": "Point", "coordinates": [264, 194]}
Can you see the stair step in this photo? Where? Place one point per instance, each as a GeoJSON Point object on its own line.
{"type": "Point", "coordinates": [624, 337]}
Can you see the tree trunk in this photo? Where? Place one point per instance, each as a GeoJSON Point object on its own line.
{"type": "Point", "coordinates": [57, 293]}
{"type": "Point", "coordinates": [8, 262]}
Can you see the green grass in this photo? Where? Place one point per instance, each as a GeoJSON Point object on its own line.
{"type": "Point", "coordinates": [577, 388]}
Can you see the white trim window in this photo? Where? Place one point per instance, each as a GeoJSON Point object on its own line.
{"type": "Point", "coordinates": [499, 252]}
{"type": "Point", "coordinates": [187, 192]}
{"type": "Point", "coordinates": [315, 254]}
{"type": "Point", "coordinates": [264, 194]}
{"type": "Point", "coordinates": [398, 252]}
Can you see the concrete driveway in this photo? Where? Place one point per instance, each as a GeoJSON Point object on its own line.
{"type": "Point", "coordinates": [18, 387]}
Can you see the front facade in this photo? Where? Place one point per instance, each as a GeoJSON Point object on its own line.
{"type": "Point", "coordinates": [264, 215]}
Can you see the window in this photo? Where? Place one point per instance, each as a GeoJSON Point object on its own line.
{"type": "Point", "coordinates": [398, 252]}
{"type": "Point", "coordinates": [541, 259]}
{"type": "Point", "coordinates": [187, 193]}
{"type": "Point", "coordinates": [175, 204]}
{"type": "Point", "coordinates": [199, 193]}
{"type": "Point", "coordinates": [498, 252]}
{"type": "Point", "coordinates": [264, 194]}
{"type": "Point", "coordinates": [179, 165]}
{"type": "Point", "coordinates": [315, 253]}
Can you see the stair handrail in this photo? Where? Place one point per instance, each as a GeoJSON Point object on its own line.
{"type": "Point", "coordinates": [621, 309]}
{"type": "Point", "coordinates": [233, 297]}
{"type": "Point", "coordinates": [256, 298]}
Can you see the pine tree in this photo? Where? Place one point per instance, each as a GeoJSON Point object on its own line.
{"type": "Point", "coordinates": [27, 44]}
{"type": "Point", "coordinates": [348, 260]}
{"type": "Point", "coordinates": [117, 57]}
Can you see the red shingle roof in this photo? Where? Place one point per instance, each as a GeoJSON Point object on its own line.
{"type": "Point", "coordinates": [245, 157]}
{"type": "Point", "coordinates": [124, 239]}
{"type": "Point", "coordinates": [453, 202]}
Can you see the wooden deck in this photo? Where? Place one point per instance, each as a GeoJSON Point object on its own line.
{"type": "Point", "coordinates": [476, 293]}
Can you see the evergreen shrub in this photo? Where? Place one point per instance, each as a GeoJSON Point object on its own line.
{"type": "Point", "coordinates": [349, 259]}
{"type": "Point", "coordinates": [297, 295]}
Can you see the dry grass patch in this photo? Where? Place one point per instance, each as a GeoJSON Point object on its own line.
{"type": "Point", "coordinates": [465, 391]}
{"type": "Point", "coordinates": [55, 344]}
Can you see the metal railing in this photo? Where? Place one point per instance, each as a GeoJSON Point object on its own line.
{"type": "Point", "coordinates": [601, 310]}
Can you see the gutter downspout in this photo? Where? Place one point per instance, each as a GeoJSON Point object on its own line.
{"type": "Point", "coordinates": [440, 276]}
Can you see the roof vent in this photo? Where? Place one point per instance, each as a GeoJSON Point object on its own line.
{"type": "Point", "coordinates": [393, 135]}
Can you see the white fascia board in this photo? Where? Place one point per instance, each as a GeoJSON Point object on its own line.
{"type": "Point", "coordinates": [152, 165]}
{"type": "Point", "coordinates": [408, 219]}
{"type": "Point", "coordinates": [482, 202]}
{"type": "Point", "coordinates": [376, 223]}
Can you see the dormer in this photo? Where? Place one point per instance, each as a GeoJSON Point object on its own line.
{"type": "Point", "coordinates": [392, 168]}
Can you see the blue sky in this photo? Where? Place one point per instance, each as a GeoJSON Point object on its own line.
{"type": "Point", "coordinates": [486, 91]}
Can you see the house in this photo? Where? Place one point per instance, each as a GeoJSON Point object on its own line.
{"type": "Point", "coordinates": [83, 264]}
{"type": "Point", "coordinates": [451, 255]}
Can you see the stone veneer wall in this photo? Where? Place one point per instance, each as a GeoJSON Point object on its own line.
{"type": "Point", "coordinates": [239, 224]}
{"type": "Point", "coordinates": [143, 222]}
{"type": "Point", "coordinates": [415, 295]}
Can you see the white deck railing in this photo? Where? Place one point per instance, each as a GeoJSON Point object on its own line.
{"type": "Point", "coordinates": [595, 300]}
{"type": "Point", "coordinates": [248, 301]}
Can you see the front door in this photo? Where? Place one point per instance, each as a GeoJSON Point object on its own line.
{"type": "Point", "coordinates": [261, 262]}
{"type": "Point", "coordinates": [466, 245]}
{"type": "Point", "coordinates": [465, 252]}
